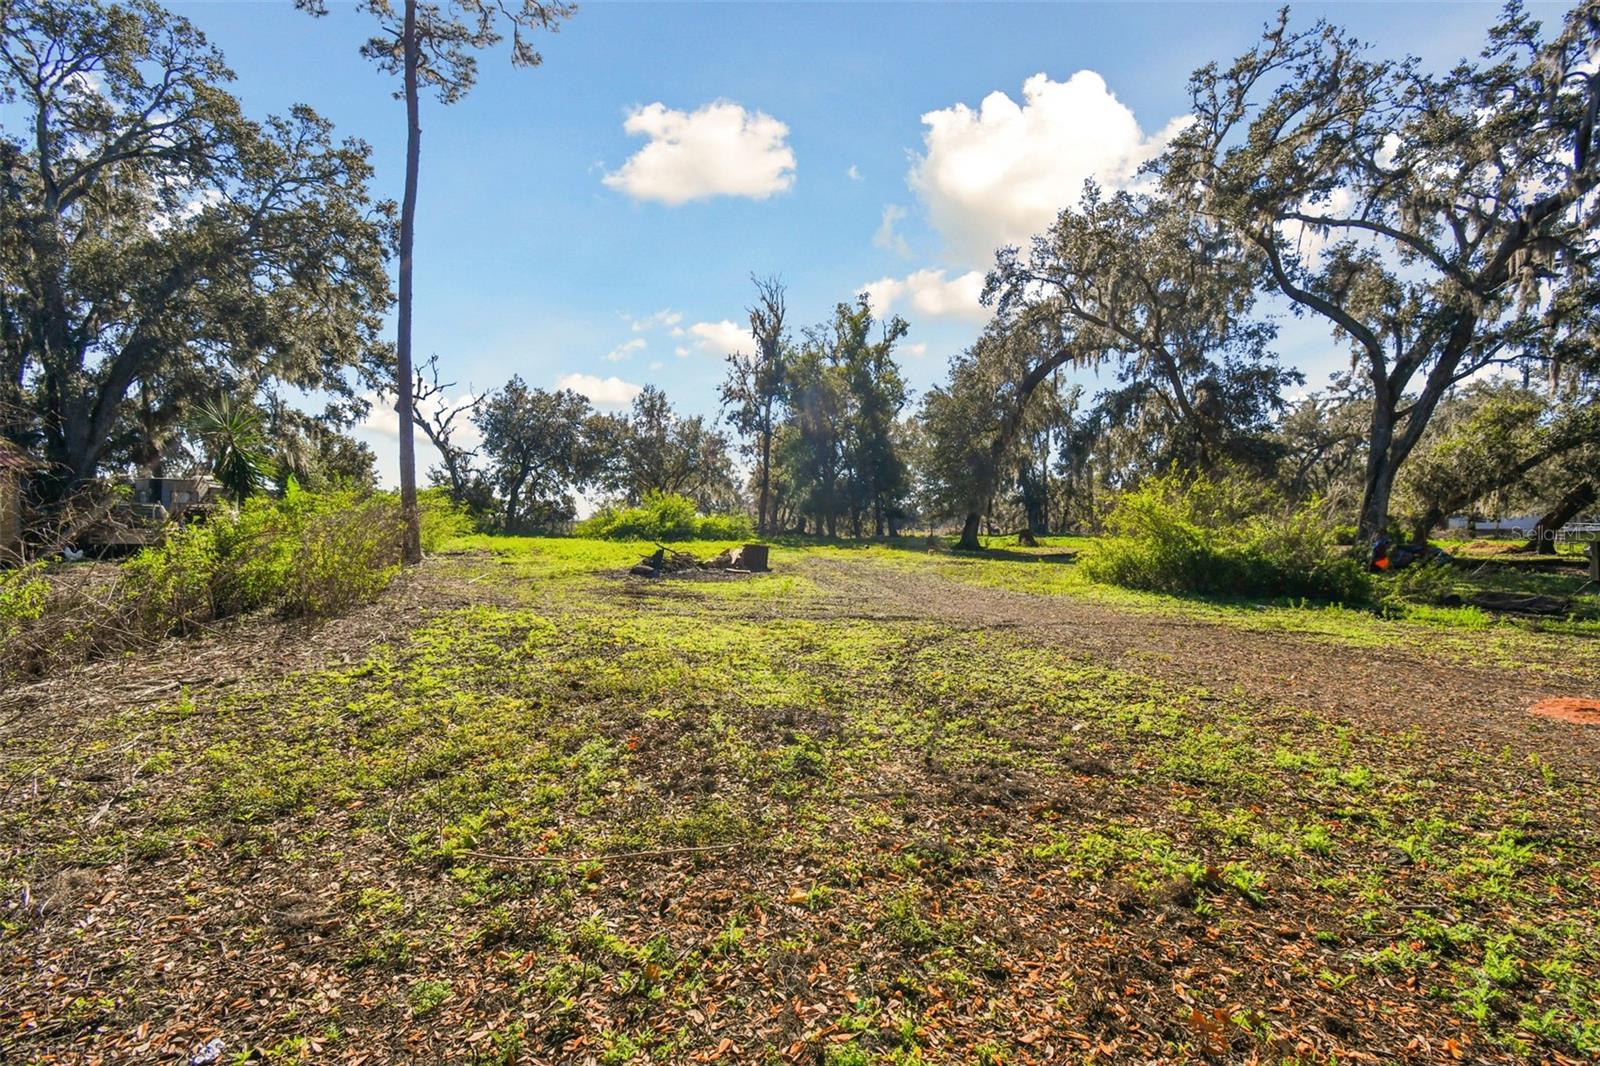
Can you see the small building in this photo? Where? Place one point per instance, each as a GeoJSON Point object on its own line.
{"type": "Point", "coordinates": [175, 495]}
{"type": "Point", "coordinates": [135, 516]}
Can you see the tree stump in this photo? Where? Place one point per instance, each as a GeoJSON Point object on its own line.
{"type": "Point", "coordinates": [751, 557]}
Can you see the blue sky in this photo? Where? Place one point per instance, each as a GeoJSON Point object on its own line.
{"type": "Point", "coordinates": [599, 216]}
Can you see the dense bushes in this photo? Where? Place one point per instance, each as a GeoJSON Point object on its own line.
{"type": "Point", "coordinates": [441, 518]}
{"type": "Point", "coordinates": [664, 516]}
{"type": "Point", "coordinates": [1226, 537]}
{"type": "Point", "coordinates": [305, 555]}
{"type": "Point", "coordinates": [24, 593]}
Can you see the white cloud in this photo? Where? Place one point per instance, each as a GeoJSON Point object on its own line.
{"type": "Point", "coordinates": [624, 350]}
{"type": "Point", "coordinates": [719, 150]}
{"type": "Point", "coordinates": [886, 237]}
{"type": "Point", "coordinates": [603, 392]}
{"type": "Point", "coordinates": [663, 318]}
{"type": "Point", "coordinates": [1002, 173]}
{"type": "Point", "coordinates": [930, 293]}
{"type": "Point", "coordinates": [719, 338]}
{"type": "Point", "coordinates": [915, 351]}
{"type": "Point", "coordinates": [853, 172]}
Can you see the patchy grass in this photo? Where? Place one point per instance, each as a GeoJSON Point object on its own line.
{"type": "Point", "coordinates": [570, 816]}
{"type": "Point", "coordinates": [1467, 633]}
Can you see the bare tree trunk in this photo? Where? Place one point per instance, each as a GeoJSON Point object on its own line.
{"type": "Point", "coordinates": [1566, 509]}
{"type": "Point", "coordinates": [411, 551]}
{"type": "Point", "coordinates": [1379, 481]}
{"type": "Point", "coordinates": [1425, 525]}
{"type": "Point", "coordinates": [766, 473]}
{"type": "Point", "coordinates": [969, 533]}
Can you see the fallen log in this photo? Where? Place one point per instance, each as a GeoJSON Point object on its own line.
{"type": "Point", "coordinates": [1516, 603]}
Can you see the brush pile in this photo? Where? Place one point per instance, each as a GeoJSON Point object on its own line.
{"type": "Point", "coordinates": [745, 559]}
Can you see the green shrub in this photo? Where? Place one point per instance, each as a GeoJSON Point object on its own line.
{"type": "Point", "coordinates": [1229, 537]}
{"type": "Point", "coordinates": [305, 555]}
{"type": "Point", "coordinates": [664, 516]}
{"type": "Point", "coordinates": [1427, 582]}
{"type": "Point", "coordinates": [341, 550]}
{"type": "Point", "coordinates": [441, 518]}
{"type": "Point", "coordinates": [23, 595]}
{"type": "Point", "coordinates": [172, 587]}
{"type": "Point", "coordinates": [308, 555]}
{"type": "Point", "coordinates": [726, 527]}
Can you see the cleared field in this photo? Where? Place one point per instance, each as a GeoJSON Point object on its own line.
{"type": "Point", "coordinates": [877, 806]}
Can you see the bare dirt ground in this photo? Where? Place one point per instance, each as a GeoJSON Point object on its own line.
{"type": "Point", "coordinates": [1400, 687]}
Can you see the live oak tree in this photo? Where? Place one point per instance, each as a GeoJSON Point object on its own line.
{"type": "Point", "coordinates": [1492, 439]}
{"type": "Point", "coordinates": [1432, 219]}
{"type": "Point", "coordinates": [971, 426]}
{"type": "Point", "coordinates": [1574, 490]}
{"type": "Point", "coordinates": [965, 429]}
{"type": "Point", "coordinates": [658, 450]}
{"type": "Point", "coordinates": [1320, 442]}
{"type": "Point", "coordinates": [1150, 286]}
{"type": "Point", "coordinates": [431, 45]}
{"type": "Point", "coordinates": [157, 247]}
{"type": "Point", "coordinates": [315, 450]}
{"type": "Point", "coordinates": [1571, 485]}
{"type": "Point", "coordinates": [540, 448]}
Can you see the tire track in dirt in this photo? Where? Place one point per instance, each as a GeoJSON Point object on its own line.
{"type": "Point", "coordinates": [1466, 706]}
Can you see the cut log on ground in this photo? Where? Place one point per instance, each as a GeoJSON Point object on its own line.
{"type": "Point", "coordinates": [1517, 603]}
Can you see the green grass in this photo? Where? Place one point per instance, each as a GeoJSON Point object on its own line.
{"type": "Point", "coordinates": [902, 804]}
{"type": "Point", "coordinates": [1467, 633]}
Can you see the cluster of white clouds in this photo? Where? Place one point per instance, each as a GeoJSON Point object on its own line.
{"type": "Point", "coordinates": [930, 293]}
{"type": "Point", "coordinates": [999, 174]}
{"type": "Point", "coordinates": [887, 237]}
{"type": "Point", "coordinates": [602, 392]}
{"type": "Point", "coordinates": [986, 177]}
{"type": "Point", "coordinates": [720, 338]}
{"type": "Point", "coordinates": [663, 318]}
{"type": "Point", "coordinates": [720, 149]}
{"type": "Point", "coordinates": [716, 339]}
{"type": "Point", "coordinates": [625, 350]}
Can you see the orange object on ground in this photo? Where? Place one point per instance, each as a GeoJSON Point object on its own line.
{"type": "Point", "coordinates": [1576, 711]}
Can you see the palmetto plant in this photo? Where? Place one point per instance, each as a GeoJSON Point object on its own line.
{"type": "Point", "coordinates": [235, 441]}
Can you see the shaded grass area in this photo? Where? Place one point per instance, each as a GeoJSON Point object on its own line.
{"type": "Point", "coordinates": [1468, 633]}
{"type": "Point", "coordinates": [924, 843]}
